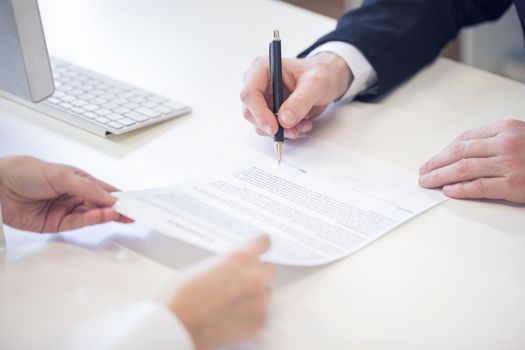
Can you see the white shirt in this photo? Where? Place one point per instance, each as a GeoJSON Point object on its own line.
{"type": "Point", "coordinates": [148, 325]}
{"type": "Point", "coordinates": [365, 77]}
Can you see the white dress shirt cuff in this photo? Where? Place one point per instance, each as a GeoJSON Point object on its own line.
{"type": "Point", "coordinates": [150, 325]}
{"type": "Point", "coordinates": [364, 74]}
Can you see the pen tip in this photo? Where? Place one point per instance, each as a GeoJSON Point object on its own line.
{"type": "Point", "coordinates": [276, 35]}
{"type": "Point", "coordinates": [278, 151]}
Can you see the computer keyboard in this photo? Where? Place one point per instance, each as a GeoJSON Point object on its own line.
{"type": "Point", "coordinates": [103, 105]}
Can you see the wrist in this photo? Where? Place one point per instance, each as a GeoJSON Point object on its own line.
{"type": "Point", "coordinates": [341, 76]}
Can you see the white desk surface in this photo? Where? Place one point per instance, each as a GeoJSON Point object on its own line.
{"type": "Point", "coordinates": [452, 278]}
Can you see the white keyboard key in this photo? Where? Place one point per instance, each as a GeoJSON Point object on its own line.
{"type": "Point", "coordinates": [149, 104]}
{"type": "Point", "coordinates": [163, 109]}
{"type": "Point", "coordinates": [119, 100]}
{"type": "Point", "coordinates": [85, 87]}
{"type": "Point", "coordinates": [79, 103]}
{"type": "Point", "coordinates": [98, 101]}
{"type": "Point", "coordinates": [90, 115]}
{"type": "Point", "coordinates": [115, 91]}
{"type": "Point", "coordinates": [121, 110]}
{"type": "Point", "coordinates": [58, 94]}
{"type": "Point", "coordinates": [137, 99]}
{"type": "Point", "coordinates": [91, 107]}
{"type": "Point", "coordinates": [174, 105]}
{"type": "Point", "coordinates": [78, 110]}
{"type": "Point", "coordinates": [109, 97]}
{"type": "Point", "coordinates": [75, 92]}
{"type": "Point", "coordinates": [126, 94]}
{"type": "Point", "coordinates": [53, 100]}
{"type": "Point", "coordinates": [64, 88]}
{"type": "Point", "coordinates": [102, 112]}
{"type": "Point", "coordinates": [67, 98]}
{"type": "Point", "coordinates": [136, 116]}
{"type": "Point", "coordinates": [87, 97]}
{"type": "Point", "coordinates": [148, 112]}
{"type": "Point", "coordinates": [115, 125]}
{"type": "Point", "coordinates": [102, 120]}
{"type": "Point", "coordinates": [110, 105]}
{"type": "Point", "coordinates": [127, 122]}
{"type": "Point", "coordinates": [158, 99]}
{"type": "Point", "coordinates": [130, 105]}
{"type": "Point", "coordinates": [66, 105]}
{"type": "Point", "coordinates": [114, 116]}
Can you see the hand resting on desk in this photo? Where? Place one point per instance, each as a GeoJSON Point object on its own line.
{"type": "Point", "coordinates": [488, 162]}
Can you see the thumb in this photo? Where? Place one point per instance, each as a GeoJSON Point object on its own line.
{"type": "Point", "coordinates": [299, 103]}
{"type": "Point", "coordinates": [69, 182]}
{"type": "Point", "coordinates": [257, 246]}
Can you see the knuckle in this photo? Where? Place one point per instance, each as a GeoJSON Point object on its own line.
{"type": "Point", "coordinates": [508, 162]}
{"type": "Point", "coordinates": [510, 143]}
{"type": "Point", "coordinates": [318, 74]}
{"type": "Point", "coordinates": [260, 60]}
{"type": "Point", "coordinates": [511, 123]}
{"type": "Point", "coordinates": [516, 181]}
{"type": "Point", "coordinates": [464, 136]}
{"type": "Point", "coordinates": [246, 94]}
{"type": "Point", "coordinates": [481, 185]}
{"type": "Point", "coordinates": [456, 150]}
{"type": "Point", "coordinates": [464, 166]}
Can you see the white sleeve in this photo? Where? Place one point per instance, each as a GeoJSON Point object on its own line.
{"type": "Point", "coordinates": [149, 325]}
{"type": "Point", "coordinates": [365, 77]}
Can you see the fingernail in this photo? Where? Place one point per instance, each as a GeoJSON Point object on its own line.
{"type": "Point", "coordinates": [110, 198]}
{"type": "Point", "coordinates": [268, 129]}
{"type": "Point", "coordinates": [287, 118]}
{"type": "Point", "coordinates": [423, 179]}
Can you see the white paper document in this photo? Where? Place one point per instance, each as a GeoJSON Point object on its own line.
{"type": "Point", "coordinates": [316, 210]}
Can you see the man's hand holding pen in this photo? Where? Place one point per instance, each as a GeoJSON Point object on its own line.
{"type": "Point", "coordinates": [309, 86]}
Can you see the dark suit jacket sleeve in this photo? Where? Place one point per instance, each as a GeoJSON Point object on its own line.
{"type": "Point", "coordinates": [399, 37]}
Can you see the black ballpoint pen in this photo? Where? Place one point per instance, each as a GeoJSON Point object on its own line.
{"type": "Point", "coordinates": [277, 89]}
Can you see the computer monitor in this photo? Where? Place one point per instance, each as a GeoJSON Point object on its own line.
{"type": "Point", "coordinates": [25, 69]}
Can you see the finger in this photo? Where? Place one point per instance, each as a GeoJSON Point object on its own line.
{"type": "Point", "coordinates": [315, 112]}
{"type": "Point", "coordinates": [462, 170]}
{"type": "Point", "coordinates": [296, 132]}
{"type": "Point", "coordinates": [460, 150]}
{"type": "Point", "coordinates": [480, 133]}
{"type": "Point", "coordinates": [261, 132]}
{"type": "Point", "coordinates": [269, 272]}
{"type": "Point", "coordinates": [125, 220]}
{"type": "Point", "coordinates": [65, 181]}
{"type": "Point", "coordinates": [103, 184]}
{"type": "Point", "coordinates": [490, 188]}
{"type": "Point", "coordinates": [91, 217]}
{"type": "Point", "coordinates": [253, 96]}
{"type": "Point", "coordinates": [300, 102]}
{"type": "Point", "coordinates": [258, 246]}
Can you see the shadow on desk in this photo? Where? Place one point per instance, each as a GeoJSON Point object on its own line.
{"type": "Point", "coordinates": [179, 255]}
{"type": "Point", "coordinates": [43, 126]}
